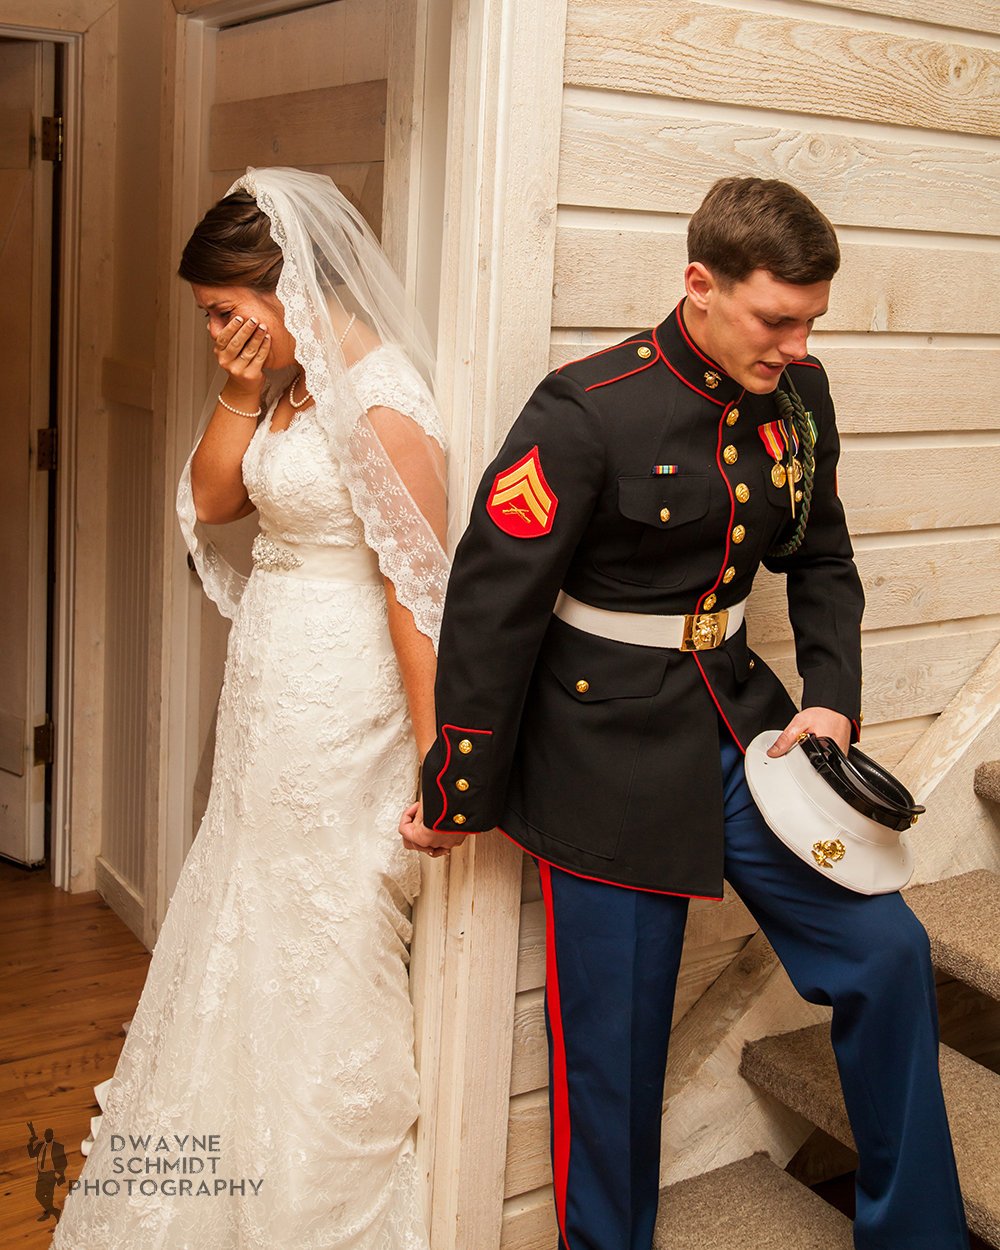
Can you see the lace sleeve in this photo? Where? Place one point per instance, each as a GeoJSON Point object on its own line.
{"type": "Point", "coordinates": [386, 379]}
{"type": "Point", "coordinates": [398, 482]}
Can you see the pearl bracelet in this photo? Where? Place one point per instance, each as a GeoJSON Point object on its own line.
{"type": "Point", "coordinates": [239, 411]}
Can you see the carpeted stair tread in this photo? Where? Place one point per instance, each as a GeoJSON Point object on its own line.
{"type": "Point", "coordinates": [799, 1069]}
{"type": "Point", "coordinates": [986, 781]}
{"type": "Point", "coordinates": [749, 1205]}
{"type": "Point", "coordinates": [962, 917]}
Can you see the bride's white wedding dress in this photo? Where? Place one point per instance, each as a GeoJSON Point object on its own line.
{"type": "Point", "coordinates": [275, 1024]}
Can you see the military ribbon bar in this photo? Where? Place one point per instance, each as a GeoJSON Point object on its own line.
{"type": "Point", "coordinates": [663, 470]}
{"type": "Point", "coordinates": [772, 435]}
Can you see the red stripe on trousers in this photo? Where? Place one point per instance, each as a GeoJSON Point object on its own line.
{"type": "Point", "coordinates": [560, 1087]}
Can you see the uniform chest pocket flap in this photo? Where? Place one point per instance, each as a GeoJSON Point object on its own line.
{"type": "Point", "coordinates": [666, 502]}
{"type": "Point", "coordinates": [671, 511]}
{"type": "Point", "coordinates": [594, 669]}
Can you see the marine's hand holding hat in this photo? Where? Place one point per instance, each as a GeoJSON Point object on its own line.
{"type": "Point", "coordinates": [824, 722]}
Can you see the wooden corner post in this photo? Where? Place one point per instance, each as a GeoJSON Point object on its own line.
{"type": "Point", "coordinates": [496, 299]}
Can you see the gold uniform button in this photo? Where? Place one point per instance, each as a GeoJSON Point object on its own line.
{"type": "Point", "coordinates": [732, 416]}
{"type": "Point", "coordinates": [742, 492]}
{"type": "Point", "coordinates": [709, 603]}
{"type": "Point", "coordinates": [729, 574]}
{"type": "Point", "coordinates": [798, 496]}
{"type": "Point", "coordinates": [730, 454]}
{"type": "Point", "coordinates": [461, 784]}
{"type": "Point", "coordinates": [644, 352]}
{"type": "Point", "coordinates": [458, 818]}
{"type": "Point", "coordinates": [751, 664]}
{"type": "Point", "coordinates": [582, 686]}
{"type": "Point", "coordinates": [465, 746]}
{"type": "Point", "coordinates": [664, 515]}
{"type": "Point", "coordinates": [739, 533]}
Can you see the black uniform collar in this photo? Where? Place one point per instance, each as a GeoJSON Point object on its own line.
{"type": "Point", "coordinates": [687, 361]}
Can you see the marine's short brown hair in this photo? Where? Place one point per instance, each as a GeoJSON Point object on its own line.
{"type": "Point", "coordinates": [232, 246]}
{"type": "Point", "coordinates": [745, 224]}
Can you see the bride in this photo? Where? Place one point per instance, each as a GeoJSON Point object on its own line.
{"type": "Point", "coordinates": [266, 1092]}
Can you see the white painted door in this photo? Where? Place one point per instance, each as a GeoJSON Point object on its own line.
{"type": "Point", "coordinates": [25, 317]}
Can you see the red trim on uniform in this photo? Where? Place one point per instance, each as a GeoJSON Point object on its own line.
{"type": "Point", "coordinates": [619, 885]}
{"type": "Point", "coordinates": [694, 346]}
{"type": "Point", "coordinates": [721, 403]}
{"type": "Point", "coordinates": [808, 364]}
{"type": "Point", "coordinates": [447, 761]}
{"type": "Point", "coordinates": [604, 351]}
{"type": "Point", "coordinates": [732, 504]}
{"type": "Point", "coordinates": [718, 706]}
{"type": "Point", "coordinates": [597, 385]}
{"type": "Point", "coordinates": [857, 730]}
{"type": "Point", "coordinates": [631, 372]}
{"type": "Point", "coordinates": [561, 1138]}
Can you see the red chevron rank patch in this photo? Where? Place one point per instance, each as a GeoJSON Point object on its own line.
{"type": "Point", "coordinates": [521, 502]}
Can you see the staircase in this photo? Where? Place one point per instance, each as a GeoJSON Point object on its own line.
{"type": "Point", "coordinates": [962, 917]}
{"type": "Point", "coordinates": [749, 1205]}
{"type": "Point", "coordinates": [986, 781]}
{"type": "Point", "coordinates": [755, 1205]}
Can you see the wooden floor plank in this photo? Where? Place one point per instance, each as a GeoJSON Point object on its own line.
{"type": "Point", "coordinates": [70, 974]}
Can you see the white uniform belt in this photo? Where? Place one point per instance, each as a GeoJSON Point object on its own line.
{"type": "Point", "coordinates": [695, 632]}
{"type": "Point", "coordinates": [353, 565]}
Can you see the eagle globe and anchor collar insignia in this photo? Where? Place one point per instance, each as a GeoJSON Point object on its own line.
{"type": "Point", "coordinates": [521, 502]}
{"type": "Point", "coordinates": [844, 815]}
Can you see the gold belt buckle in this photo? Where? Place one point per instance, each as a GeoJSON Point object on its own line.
{"type": "Point", "coordinates": [704, 631]}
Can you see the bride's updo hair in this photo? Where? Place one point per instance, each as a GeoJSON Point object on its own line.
{"type": "Point", "coordinates": [232, 246]}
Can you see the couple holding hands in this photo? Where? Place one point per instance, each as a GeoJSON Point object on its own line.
{"type": "Point", "coordinates": [581, 681]}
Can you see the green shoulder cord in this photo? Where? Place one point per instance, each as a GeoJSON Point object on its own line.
{"type": "Point", "coordinates": [792, 411]}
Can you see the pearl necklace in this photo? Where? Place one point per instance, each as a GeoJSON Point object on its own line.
{"type": "Point", "coordinates": [301, 403]}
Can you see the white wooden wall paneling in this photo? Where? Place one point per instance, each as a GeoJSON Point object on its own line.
{"type": "Point", "coordinates": [912, 584]}
{"type": "Point", "coordinates": [618, 263]}
{"type": "Point", "coordinates": [764, 60]}
{"type": "Point", "coordinates": [616, 154]}
{"type": "Point", "coordinates": [971, 15]}
{"type": "Point", "coordinates": [877, 389]}
{"type": "Point", "coordinates": [913, 671]}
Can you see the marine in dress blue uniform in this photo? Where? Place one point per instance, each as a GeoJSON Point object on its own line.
{"type": "Point", "coordinates": [646, 481]}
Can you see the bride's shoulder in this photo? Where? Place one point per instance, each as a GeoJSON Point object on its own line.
{"type": "Point", "coordinates": [385, 360]}
{"type": "Point", "coordinates": [385, 378]}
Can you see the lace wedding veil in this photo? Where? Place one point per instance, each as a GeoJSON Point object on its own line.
{"type": "Point", "coordinates": [391, 462]}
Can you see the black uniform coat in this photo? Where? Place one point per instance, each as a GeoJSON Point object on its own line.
{"type": "Point", "coordinates": [602, 757]}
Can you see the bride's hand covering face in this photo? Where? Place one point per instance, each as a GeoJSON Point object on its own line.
{"type": "Point", "coordinates": [319, 281]}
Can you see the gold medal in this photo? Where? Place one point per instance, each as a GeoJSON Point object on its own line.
{"type": "Point", "coordinates": [778, 474]}
{"type": "Point", "coordinates": [797, 469]}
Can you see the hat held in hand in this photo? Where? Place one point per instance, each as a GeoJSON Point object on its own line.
{"type": "Point", "coordinates": [844, 815]}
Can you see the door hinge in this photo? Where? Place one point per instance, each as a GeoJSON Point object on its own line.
{"type": "Point", "coordinates": [48, 449]}
{"type": "Point", "coordinates": [44, 742]}
{"type": "Point", "coordinates": [52, 139]}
